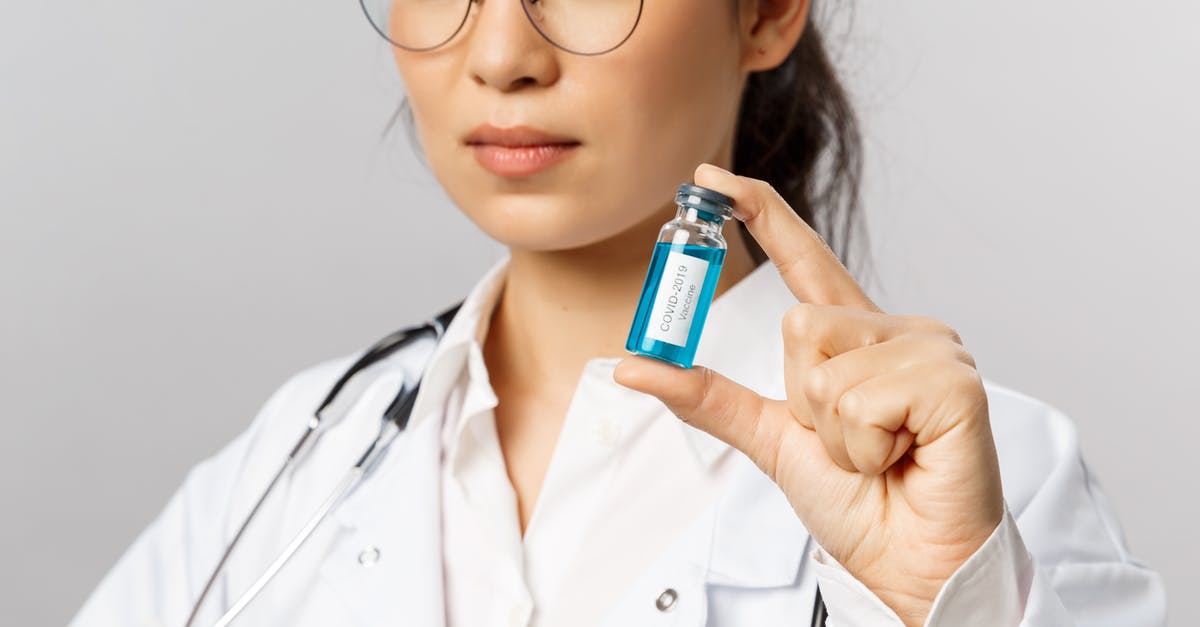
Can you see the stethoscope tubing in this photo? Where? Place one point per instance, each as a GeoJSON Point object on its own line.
{"type": "Point", "coordinates": [395, 419]}
{"type": "Point", "coordinates": [287, 463]}
{"type": "Point", "coordinates": [349, 482]}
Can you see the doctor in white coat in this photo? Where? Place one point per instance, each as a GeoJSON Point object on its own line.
{"type": "Point", "coordinates": [544, 480]}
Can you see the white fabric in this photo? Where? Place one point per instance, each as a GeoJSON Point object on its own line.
{"type": "Point", "coordinates": [634, 503]}
{"type": "Point", "coordinates": [494, 576]}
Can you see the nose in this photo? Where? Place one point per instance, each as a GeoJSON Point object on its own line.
{"type": "Point", "coordinates": [506, 51]}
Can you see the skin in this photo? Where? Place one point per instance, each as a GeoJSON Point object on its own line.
{"type": "Point", "coordinates": [882, 446]}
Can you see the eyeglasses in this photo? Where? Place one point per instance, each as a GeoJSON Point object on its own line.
{"type": "Point", "coordinates": [587, 27]}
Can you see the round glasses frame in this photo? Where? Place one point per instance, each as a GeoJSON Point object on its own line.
{"type": "Point", "coordinates": [524, 7]}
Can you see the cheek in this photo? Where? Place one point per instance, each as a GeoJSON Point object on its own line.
{"type": "Point", "coordinates": [677, 104]}
{"type": "Point", "coordinates": [648, 111]}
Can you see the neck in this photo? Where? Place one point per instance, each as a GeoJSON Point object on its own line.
{"type": "Point", "coordinates": [559, 309]}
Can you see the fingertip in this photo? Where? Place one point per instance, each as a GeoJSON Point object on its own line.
{"type": "Point", "coordinates": [715, 177]}
{"type": "Point", "coordinates": [711, 167]}
{"type": "Point", "coordinates": [620, 372]}
{"type": "Point", "coordinates": [711, 173]}
{"type": "Point", "coordinates": [629, 372]}
{"type": "Point", "coordinates": [640, 373]}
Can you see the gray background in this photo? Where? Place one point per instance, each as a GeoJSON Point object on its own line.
{"type": "Point", "coordinates": [196, 202]}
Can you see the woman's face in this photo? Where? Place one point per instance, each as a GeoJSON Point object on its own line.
{"type": "Point", "coordinates": [645, 115]}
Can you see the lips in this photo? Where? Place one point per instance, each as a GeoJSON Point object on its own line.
{"type": "Point", "coordinates": [518, 151]}
{"type": "Point", "coordinates": [515, 136]}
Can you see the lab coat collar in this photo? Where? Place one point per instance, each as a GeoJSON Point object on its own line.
{"type": "Point", "coordinates": [750, 537]}
{"type": "Point", "coordinates": [740, 340]}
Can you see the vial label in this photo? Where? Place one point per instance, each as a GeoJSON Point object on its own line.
{"type": "Point", "coordinates": [675, 303]}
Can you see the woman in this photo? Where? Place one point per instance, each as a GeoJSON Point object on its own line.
{"type": "Point", "coordinates": [543, 479]}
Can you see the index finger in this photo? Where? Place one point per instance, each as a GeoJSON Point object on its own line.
{"type": "Point", "coordinates": [808, 266]}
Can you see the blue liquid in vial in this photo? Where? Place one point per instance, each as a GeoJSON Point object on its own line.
{"type": "Point", "coordinates": [665, 340]}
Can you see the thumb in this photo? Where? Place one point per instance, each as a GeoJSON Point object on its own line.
{"type": "Point", "coordinates": [711, 402]}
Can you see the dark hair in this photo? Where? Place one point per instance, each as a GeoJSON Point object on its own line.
{"type": "Point", "coordinates": [797, 130]}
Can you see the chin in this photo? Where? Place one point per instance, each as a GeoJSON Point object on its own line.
{"type": "Point", "coordinates": [541, 223]}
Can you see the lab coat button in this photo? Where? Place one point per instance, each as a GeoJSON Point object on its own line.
{"type": "Point", "coordinates": [369, 556]}
{"type": "Point", "coordinates": [666, 600]}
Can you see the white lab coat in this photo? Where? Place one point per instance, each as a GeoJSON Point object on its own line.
{"type": "Point", "coordinates": [377, 560]}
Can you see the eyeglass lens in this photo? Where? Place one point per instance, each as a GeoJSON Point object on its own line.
{"type": "Point", "coordinates": [579, 26]}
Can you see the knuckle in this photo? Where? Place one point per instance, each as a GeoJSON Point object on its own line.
{"type": "Point", "coordinates": [763, 194]}
{"type": "Point", "coordinates": [929, 324]}
{"type": "Point", "coordinates": [923, 323]}
{"type": "Point", "coordinates": [963, 355]}
{"type": "Point", "coordinates": [944, 349]}
{"type": "Point", "coordinates": [760, 196]}
{"type": "Point", "coordinates": [821, 385]}
{"type": "Point", "coordinates": [938, 347]}
{"type": "Point", "coordinates": [851, 408]}
{"type": "Point", "coordinates": [800, 320]}
{"type": "Point", "coordinates": [965, 377]}
{"type": "Point", "coordinates": [870, 335]}
{"type": "Point", "coordinates": [722, 408]}
{"type": "Point", "coordinates": [866, 460]}
{"type": "Point", "coordinates": [762, 188]}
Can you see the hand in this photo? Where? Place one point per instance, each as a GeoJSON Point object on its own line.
{"type": "Point", "coordinates": [883, 445]}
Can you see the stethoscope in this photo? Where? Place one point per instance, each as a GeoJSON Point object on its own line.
{"type": "Point", "coordinates": [395, 419]}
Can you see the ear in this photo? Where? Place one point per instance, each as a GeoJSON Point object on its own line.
{"type": "Point", "coordinates": [770, 30]}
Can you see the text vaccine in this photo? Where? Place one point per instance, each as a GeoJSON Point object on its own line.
{"type": "Point", "coordinates": [682, 278]}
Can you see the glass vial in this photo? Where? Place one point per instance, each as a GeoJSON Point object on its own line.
{"type": "Point", "coordinates": [682, 278]}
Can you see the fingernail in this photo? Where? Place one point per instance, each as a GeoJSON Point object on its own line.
{"type": "Point", "coordinates": [737, 211]}
{"type": "Point", "coordinates": [716, 167]}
